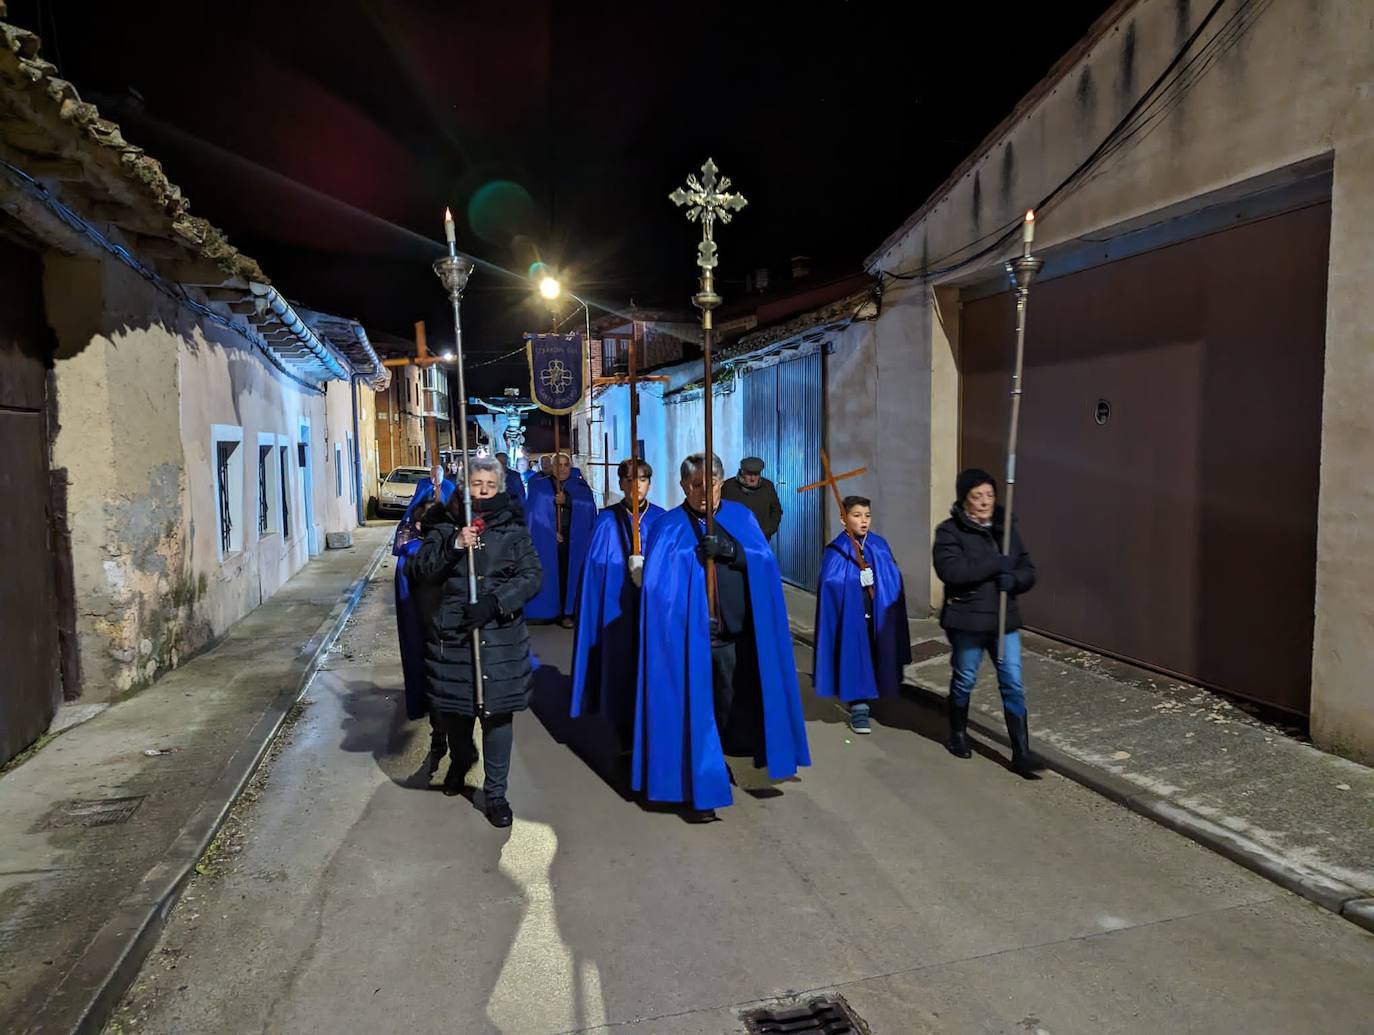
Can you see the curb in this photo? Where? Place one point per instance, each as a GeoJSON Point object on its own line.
{"type": "Point", "coordinates": [112, 959]}
{"type": "Point", "coordinates": [1345, 900]}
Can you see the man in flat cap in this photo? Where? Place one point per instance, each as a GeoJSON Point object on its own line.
{"type": "Point", "coordinates": [756, 492]}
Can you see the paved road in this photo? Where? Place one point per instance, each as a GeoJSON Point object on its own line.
{"type": "Point", "coordinates": [935, 895]}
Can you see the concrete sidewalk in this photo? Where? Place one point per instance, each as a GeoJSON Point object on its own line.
{"type": "Point", "coordinates": [99, 836]}
{"type": "Point", "coordinates": [1183, 756]}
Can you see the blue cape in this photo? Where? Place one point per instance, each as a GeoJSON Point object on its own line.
{"type": "Point", "coordinates": [846, 662]}
{"type": "Point", "coordinates": [541, 517]}
{"type": "Point", "coordinates": [515, 486]}
{"type": "Point", "coordinates": [606, 648]}
{"type": "Point", "coordinates": [409, 630]}
{"type": "Point", "coordinates": [677, 750]}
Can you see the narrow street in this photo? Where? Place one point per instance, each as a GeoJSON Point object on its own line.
{"type": "Point", "coordinates": [933, 894]}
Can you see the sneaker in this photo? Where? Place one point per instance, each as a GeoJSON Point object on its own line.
{"type": "Point", "coordinates": [858, 719]}
{"type": "Point", "coordinates": [499, 813]}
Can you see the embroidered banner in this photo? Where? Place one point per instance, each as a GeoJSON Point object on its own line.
{"type": "Point", "coordinates": [557, 371]}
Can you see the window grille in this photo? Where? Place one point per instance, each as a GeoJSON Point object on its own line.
{"type": "Point", "coordinates": [285, 495]}
{"type": "Point", "coordinates": [264, 505]}
{"type": "Point", "coordinates": [224, 450]}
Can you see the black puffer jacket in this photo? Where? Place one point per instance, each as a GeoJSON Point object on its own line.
{"type": "Point", "coordinates": [507, 569]}
{"type": "Point", "coordinates": [967, 559]}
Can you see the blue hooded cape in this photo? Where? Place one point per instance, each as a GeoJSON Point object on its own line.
{"type": "Point", "coordinates": [677, 750]}
{"type": "Point", "coordinates": [542, 520]}
{"type": "Point", "coordinates": [408, 618]}
{"type": "Point", "coordinates": [848, 663]}
{"type": "Point", "coordinates": [606, 648]}
{"type": "Point", "coordinates": [515, 486]}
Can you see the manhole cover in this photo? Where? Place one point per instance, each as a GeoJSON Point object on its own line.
{"type": "Point", "coordinates": [828, 1016]}
{"type": "Point", "coordinates": [95, 812]}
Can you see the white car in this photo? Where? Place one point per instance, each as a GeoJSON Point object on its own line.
{"type": "Point", "coordinates": [398, 489]}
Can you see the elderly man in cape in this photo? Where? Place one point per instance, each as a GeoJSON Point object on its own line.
{"type": "Point", "coordinates": [560, 513]}
{"type": "Point", "coordinates": [712, 684]}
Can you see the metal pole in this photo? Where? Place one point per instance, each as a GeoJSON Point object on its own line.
{"type": "Point", "coordinates": [1021, 271]}
{"type": "Point", "coordinates": [454, 271]}
{"type": "Point", "coordinates": [635, 544]}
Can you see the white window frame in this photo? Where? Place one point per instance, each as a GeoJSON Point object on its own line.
{"type": "Point", "coordinates": [227, 433]}
{"type": "Point", "coordinates": [338, 469]}
{"type": "Point", "coordinates": [286, 459]}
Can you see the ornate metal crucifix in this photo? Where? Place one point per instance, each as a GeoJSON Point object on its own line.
{"type": "Point", "coordinates": [707, 200]}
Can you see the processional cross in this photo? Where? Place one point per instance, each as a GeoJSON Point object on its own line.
{"type": "Point", "coordinates": [707, 200]}
{"type": "Point", "coordinates": [833, 480]}
{"type": "Point", "coordinates": [633, 379]}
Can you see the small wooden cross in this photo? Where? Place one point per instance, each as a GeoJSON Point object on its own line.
{"type": "Point", "coordinates": [605, 463]}
{"type": "Point", "coordinates": [833, 480]}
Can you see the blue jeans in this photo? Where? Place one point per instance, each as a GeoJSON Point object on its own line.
{"type": "Point", "coordinates": [968, 649]}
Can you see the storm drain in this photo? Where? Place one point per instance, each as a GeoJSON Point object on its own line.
{"type": "Point", "coordinates": [94, 812]}
{"type": "Point", "coordinates": [828, 1016]}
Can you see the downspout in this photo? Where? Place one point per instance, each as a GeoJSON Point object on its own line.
{"type": "Point", "coordinates": [357, 453]}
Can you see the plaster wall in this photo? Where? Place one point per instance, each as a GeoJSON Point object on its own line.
{"type": "Point", "coordinates": [1278, 84]}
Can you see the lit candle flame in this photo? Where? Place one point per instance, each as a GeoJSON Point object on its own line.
{"type": "Point", "coordinates": [449, 234]}
{"type": "Point", "coordinates": [1028, 231]}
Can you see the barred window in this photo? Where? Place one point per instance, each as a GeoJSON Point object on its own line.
{"type": "Point", "coordinates": [224, 453]}
{"type": "Point", "coordinates": [285, 492]}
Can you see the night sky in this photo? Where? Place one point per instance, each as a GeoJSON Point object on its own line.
{"type": "Point", "coordinates": [326, 136]}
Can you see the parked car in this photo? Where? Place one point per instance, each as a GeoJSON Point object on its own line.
{"type": "Point", "coordinates": [398, 488]}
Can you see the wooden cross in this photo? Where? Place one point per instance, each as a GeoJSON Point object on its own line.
{"type": "Point", "coordinates": [605, 464]}
{"type": "Point", "coordinates": [833, 480]}
{"type": "Point", "coordinates": [634, 379]}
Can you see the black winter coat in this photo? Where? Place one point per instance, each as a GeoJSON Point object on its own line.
{"type": "Point", "coordinates": [508, 568]}
{"type": "Point", "coordinates": [967, 559]}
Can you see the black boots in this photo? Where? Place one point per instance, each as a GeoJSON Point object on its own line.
{"type": "Point", "coordinates": [957, 744]}
{"type": "Point", "coordinates": [498, 812]}
{"type": "Point", "coordinates": [438, 748]}
{"type": "Point", "coordinates": [1023, 762]}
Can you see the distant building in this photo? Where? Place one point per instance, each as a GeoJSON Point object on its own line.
{"type": "Point", "coordinates": [177, 438]}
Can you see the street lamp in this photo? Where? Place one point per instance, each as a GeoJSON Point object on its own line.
{"type": "Point", "coordinates": [549, 288]}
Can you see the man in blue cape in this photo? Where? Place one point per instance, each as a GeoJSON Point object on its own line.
{"type": "Point", "coordinates": [709, 685]}
{"type": "Point", "coordinates": [515, 486]}
{"type": "Point", "coordinates": [560, 513]}
{"type": "Point", "coordinates": [410, 610]}
{"type": "Point", "coordinates": [606, 650]}
{"type": "Point", "coordinates": [862, 638]}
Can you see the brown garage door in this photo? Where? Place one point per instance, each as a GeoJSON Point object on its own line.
{"type": "Point", "coordinates": [1170, 438]}
{"type": "Point", "coordinates": [31, 689]}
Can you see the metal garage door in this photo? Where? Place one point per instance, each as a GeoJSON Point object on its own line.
{"type": "Point", "coordinates": [1167, 482]}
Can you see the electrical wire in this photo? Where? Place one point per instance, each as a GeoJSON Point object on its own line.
{"type": "Point", "coordinates": [1007, 231]}
{"type": "Point", "coordinates": [173, 290]}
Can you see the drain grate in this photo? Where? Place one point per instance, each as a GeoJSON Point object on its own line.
{"type": "Point", "coordinates": [829, 1016]}
{"type": "Point", "coordinates": [927, 649]}
{"type": "Point", "coordinates": [95, 812]}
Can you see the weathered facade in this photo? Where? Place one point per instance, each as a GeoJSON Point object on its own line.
{"type": "Point", "coordinates": [1195, 467]}
{"type": "Point", "coordinates": [188, 438]}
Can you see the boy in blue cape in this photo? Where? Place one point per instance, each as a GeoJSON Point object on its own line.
{"type": "Point", "coordinates": [606, 650]}
{"type": "Point", "coordinates": [409, 610]}
{"type": "Point", "coordinates": [862, 637]}
{"type": "Point", "coordinates": [560, 513]}
{"type": "Point", "coordinates": [709, 685]}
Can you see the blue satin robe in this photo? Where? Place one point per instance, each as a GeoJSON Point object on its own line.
{"type": "Point", "coordinates": [540, 515]}
{"type": "Point", "coordinates": [847, 661]}
{"type": "Point", "coordinates": [677, 749]}
{"type": "Point", "coordinates": [606, 648]}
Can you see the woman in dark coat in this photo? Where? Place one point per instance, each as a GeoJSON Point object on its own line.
{"type": "Point", "coordinates": [969, 561]}
{"type": "Point", "coordinates": [508, 575]}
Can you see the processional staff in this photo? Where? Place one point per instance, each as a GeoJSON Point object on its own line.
{"type": "Point", "coordinates": [453, 271]}
{"type": "Point", "coordinates": [707, 200]}
{"type": "Point", "coordinates": [1022, 271]}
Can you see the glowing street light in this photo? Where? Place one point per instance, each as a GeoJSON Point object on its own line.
{"type": "Point", "coordinates": [448, 357]}
{"type": "Point", "coordinates": [549, 288]}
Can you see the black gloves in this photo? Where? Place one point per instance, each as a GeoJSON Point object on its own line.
{"type": "Point", "coordinates": [474, 616]}
{"type": "Point", "coordinates": [722, 550]}
{"type": "Point", "coordinates": [1006, 581]}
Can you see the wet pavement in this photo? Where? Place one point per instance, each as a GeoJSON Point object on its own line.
{"type": "Point", "coordinates": [935, 895]}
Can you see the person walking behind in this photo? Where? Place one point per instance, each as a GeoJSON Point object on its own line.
{"type": "Point", "coordinates": [508, 575]}
{"type": "Point", "coordinates": [757, 493]}
{"type": "Point", "coordinates": [969, 561]}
